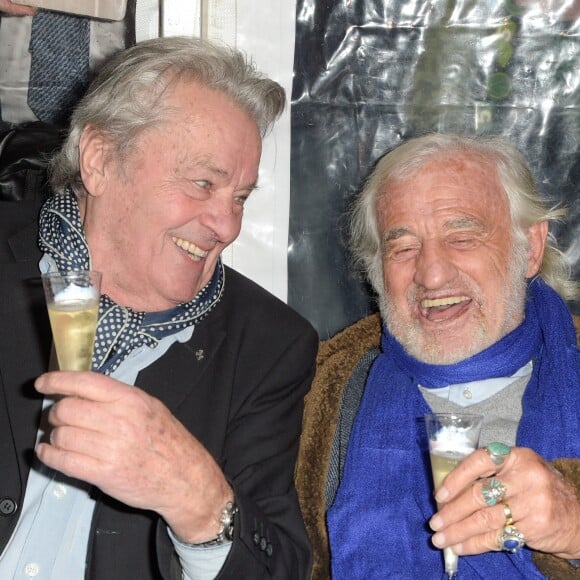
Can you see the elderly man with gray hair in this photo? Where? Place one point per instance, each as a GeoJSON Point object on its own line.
{"type": "Point", "coordinates": [453, 235]}
{"type": "Point", "coordinates": [174, 457]}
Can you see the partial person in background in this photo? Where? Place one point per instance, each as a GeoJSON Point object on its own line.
{"type": "Point", "coordinates": [48, 58]}
{"type": "Point", "coordinates": [175, 457]}
{"type": "Point", "coordinates": [453, 236]}
{"type": "Point", "coordinates": [7, 7]}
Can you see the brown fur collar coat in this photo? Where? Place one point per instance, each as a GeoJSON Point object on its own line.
{"type": "Point", "coordinates": [337, 358]}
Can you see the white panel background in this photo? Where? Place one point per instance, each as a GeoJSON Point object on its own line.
{"type": "Point", "coordinates": [265, 32]}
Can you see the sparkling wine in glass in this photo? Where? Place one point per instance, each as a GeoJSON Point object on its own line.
{"type": "Point", "coordinates": [452, 437]}
{"type": "Point", "coordinates": [72, 300]}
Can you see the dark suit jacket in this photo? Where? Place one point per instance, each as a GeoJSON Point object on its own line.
{"type": "Point", "coordinates": [237, 385]}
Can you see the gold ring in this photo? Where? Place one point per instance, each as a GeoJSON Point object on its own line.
{"type": "Point", "coordinates": [509, 520]}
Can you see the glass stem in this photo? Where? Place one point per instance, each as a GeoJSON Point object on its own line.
{"type": "Point", "coordinates": [451, 561]}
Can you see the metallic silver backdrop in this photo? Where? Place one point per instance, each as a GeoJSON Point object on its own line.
{"type": "Point", "coordinates": [369, 73]}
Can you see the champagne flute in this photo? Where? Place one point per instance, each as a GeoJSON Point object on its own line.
{"type": "Point", "coordinates": [452, 437]}
{"type": "Point", "coordinates": [72, 300]}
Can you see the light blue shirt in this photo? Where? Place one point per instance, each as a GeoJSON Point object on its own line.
{"type": "Point", "coordinates": [50, 539]}
{"type": "Point", "coordinates": [467, 394]}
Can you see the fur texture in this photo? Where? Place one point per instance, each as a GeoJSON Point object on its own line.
{"type": "Point", "coordinates": [337, 358]}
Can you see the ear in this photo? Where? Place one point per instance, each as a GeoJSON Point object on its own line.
{"type": "Point", "coordinates": [536, 235]}
{"type": "Point", "coordinates": [93, 160]}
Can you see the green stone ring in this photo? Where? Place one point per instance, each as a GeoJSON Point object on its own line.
{"type": "Point", "coordinates": [498, 452]}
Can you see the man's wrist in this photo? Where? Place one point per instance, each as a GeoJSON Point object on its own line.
{"type": "Point", "coordinates": [226, 531]}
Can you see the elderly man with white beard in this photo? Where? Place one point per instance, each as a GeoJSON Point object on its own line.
{"type": "Point", "coordinates": [454, 237]}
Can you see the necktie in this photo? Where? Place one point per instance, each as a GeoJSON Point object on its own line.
{"type": "Point", "coordinates": [59, 69]}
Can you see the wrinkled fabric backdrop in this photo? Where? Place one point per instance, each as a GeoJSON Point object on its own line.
{"type": "Point", "coordinates": [369, 74]}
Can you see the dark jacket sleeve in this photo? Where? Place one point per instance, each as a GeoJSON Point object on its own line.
{"type": "Point", "coordinates": [247, 410]}
{"type": "Point", "coordinates": [260, 456]}
{"type": "Point", "coordinates": [238, 386]}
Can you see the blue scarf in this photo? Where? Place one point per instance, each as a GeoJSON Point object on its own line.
{"type": "Point", "coordinates": [378, 524]}
{"type": "Point", "coordinates": [120, 329]}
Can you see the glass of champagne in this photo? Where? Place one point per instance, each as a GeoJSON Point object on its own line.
{"type": "Point", "coordinates": [452, 437]}
{"type": "Point", "coordinates": [72, 300]}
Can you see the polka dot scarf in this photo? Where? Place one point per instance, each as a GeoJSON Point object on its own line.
{"type": "Point", "coordinates": [120, 329]}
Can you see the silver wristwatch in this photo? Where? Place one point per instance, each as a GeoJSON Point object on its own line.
{"type": "Point", "coordinates": [226, 531]}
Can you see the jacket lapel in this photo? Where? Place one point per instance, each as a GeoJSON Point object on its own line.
{"type": "Point", "coordinates": [186, 366]}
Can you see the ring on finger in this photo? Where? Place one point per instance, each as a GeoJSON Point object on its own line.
{"type": "Point", "coordinates": [509, 520]}
{"type": "Point", "coordinates": [510, 539]}
{"type": "Point", "coordinates": [498, 452]}
{"type": "Point", "coordinates": [493, 491]}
